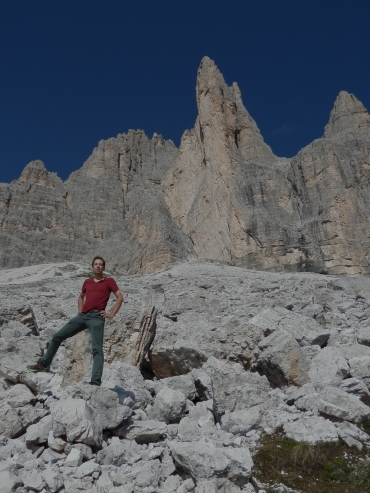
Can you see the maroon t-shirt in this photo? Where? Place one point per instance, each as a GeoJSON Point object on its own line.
{"type": "Point", "coordinates": [97, 293]}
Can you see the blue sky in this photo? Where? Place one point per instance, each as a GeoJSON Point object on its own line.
{"type": "Point", "coordinates": [75, 72]}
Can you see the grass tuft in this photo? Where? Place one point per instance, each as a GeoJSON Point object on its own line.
{"type": "Point", "coordinates": [319, 468]}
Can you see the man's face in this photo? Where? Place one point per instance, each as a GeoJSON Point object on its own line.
{"type": "Point", "coordinates": [98, 266]}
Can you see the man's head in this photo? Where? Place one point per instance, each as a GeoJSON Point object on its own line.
{"type": "Point", "coordinates": [98, 264]}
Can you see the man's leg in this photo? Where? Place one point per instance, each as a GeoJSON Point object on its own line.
{"type": "Point", "coordinates": [71, 328]}
{"type": "Point", "coordinates": [95, 325]}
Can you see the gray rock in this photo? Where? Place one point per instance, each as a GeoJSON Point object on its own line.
{"type": "Point", "coordinates": [128, 378]}
{"type": "Point", "coordinates": [142, 431]}
{"type": "Point", "coordinates": [105, 402]}
{"type": "Point", "coordinates": [9, 481]}
{"type": "Point", "coordinates": [32, 480]}
{"type": "Point", "coordinates": [169, 406]}
{"type": "Point", "coordinates": [119, 452]}
{"type": "Point", "coordinates": [241, 422]}
{"type": "Point", "coordinates": [204, 461]}
{"type": "Point", "coordinates": [335, 402]}
{"type": "Point", "coordinates": [39, 432]}
{"type": "Point", "coordinates": [328, 368]}
{"type": "Point", "coordinates": [363, 336]}
{"type": "Point", "coordinates": [311, 429]}
{"type": "Point", "coordinates": [78, 421]}
{"type": "Point", "coordinates": [304, 329]}
{"type": "Point", "coordinates": [354, 386]}
{"type": "Point", "coordinates": [147, 474]}
{"type": "Point", "coordinates": [87, 469]}
{"type": "Point", "coordinates": [74, 458]}
{"type": "Point", "coordinates": [57, 444]}
{"type": "Point", "coordinates": [181, 383]}
{"type": "Point", "coordinates": [53, 479]}
{"type": "Point", "coordinates": [360, 368]}
{"type": "Point", "coordinates": [199, 423]}
{"type": "Point", "coordinates": [233, 388]}
{"type": "Point", "coordinates": [352, 435]}
{"type": "Point", "coordinates": [283, 360]}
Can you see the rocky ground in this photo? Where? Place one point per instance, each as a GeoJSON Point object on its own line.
{"type": "Point", "coordinates": [238, 356]}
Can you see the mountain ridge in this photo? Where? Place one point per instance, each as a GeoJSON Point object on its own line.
{"type": "Point", "coordinates": [223, 195]}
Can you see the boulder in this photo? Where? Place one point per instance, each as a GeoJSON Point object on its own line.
{"type": "Point", "coordinates": [146, 431]}
{"type": "Point", "coordinates": [241, 422]}
{"type": "Point", "coordinates": [119, 452]}
{"type": "Point", "coordinates": [128, 378]}
{"type": "Point", "coordinates": [39, 432]}
{"type": "Point", "coordinates": [311, 429]}
{"type": "Point", "coordinates": [78, 421]}
{"type": "Point", "coordinates": [354, 386]}
{"type": "Point", "coordinates": [200, 422]}
{"type": "Point", "coordinates": [336, 403]}
{"type": "Point", "coordinates": [305, 330]}
{"type": "Point", "coordinates": [202, 460]}
{"type": "Point", "coordinates": [234, 388]}
{"type": "Point", "coordinates": [328, 368]}
{"type": "Point", "coordinates": [169, 406]}
{"type": "Point", "coordinates": [283, 360]}
{"type": "Point", "coordinates": [106, 403]}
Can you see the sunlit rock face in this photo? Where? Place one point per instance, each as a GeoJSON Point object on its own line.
{"type": "Point", "coordinates": [112, 206]}
{"type": "Point", "coordinates": [241, 204]}
{"type": "Point", "coordinates": [223, 195]}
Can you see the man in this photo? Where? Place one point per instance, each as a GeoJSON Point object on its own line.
{"type": "Point", "coordinates": [92, 302]}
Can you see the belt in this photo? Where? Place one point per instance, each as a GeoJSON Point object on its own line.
{"type": "Point", "coordinates": [93, 311]}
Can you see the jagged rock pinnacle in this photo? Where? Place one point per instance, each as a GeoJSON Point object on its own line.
{"type": "Point", "coordinates": [348, 113]}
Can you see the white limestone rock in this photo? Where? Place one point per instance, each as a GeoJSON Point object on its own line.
{"type": "Point", "coordinates": [39, 432]}
{"type": "Point", "coordinates": [335, 402]}
{"type": "Point", "coordinates": [105, 402]}
{"type": "Point", "coordinates": [328, 368]}
{"type": "Point", "coordinates": [283, 360]}
{"type": "Point", "coordinates": [145, 431]}
{"type": "Point", "coordinates": [78, 421]}
{"type": "Point", "coordinates": [169, 406]}
{"type": "Point", "coordinates": [74, 458]}
{"type": "Point", "coordinates": [199, 423]}
{"type": "Point", "coordinates": [203, 461]}
{"type": "Point", "coordinates": [311, 429]}
{"type": "Point", "coordinates": [119, 452]}
{"type": "Point", "coordinates": [305, 330]}
{"type": "Point", "coordinates": [9, 482]}
{"type": "Point", "coordinates": [354, 386]}
{"type": "Point", "coordinates": [128, 378]}
{"type": "Point", "coordinates": [233, 388]}
{"type": "Point", "coordinates": [241, 422]}
{"type": "Point", "coordinates": [52, 478]}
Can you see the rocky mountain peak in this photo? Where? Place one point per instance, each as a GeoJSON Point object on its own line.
{"type": "Point", "coordinates": [348, 113]}
{"type": "Point", "coordinates": [222, 114]}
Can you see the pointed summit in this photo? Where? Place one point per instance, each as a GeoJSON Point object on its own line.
{"type": "Point", "coordinates": [223, 116]}
{"type": "Point", "coordinates": [348, 113]}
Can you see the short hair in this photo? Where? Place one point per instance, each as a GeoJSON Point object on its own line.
{"type": "Point", "coordinates": [98, 258]}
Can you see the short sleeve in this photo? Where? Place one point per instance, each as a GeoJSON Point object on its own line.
{"type": "Point", "coordinates": [84, 287]}
{"type": "Point", "coordinates": [113, 285]}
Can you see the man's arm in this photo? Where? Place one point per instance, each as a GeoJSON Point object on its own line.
{"type": "Point", "coordinates": [116, 307]}
{"type": "Point", "coordinates": [81, 300]}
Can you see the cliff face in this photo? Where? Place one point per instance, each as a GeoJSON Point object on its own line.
{"type": "Point", "coordinates": [113, 206]}
{"type": "Point", "coordinates": [223, 195]}
{"type": "Point", "coordinates": [241, 204]}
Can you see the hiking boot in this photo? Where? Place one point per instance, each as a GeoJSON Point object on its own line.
{"type": "Point", "coordinates": [38, 367]}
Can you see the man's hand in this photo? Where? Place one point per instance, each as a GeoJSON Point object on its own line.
{"type": "Point", "coordinates": [106, 315]}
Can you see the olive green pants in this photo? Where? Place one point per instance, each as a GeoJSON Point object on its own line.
{"type": "Point", "coordinates": [95, 323]}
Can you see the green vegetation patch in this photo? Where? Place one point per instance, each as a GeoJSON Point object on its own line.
{"type": "Point", "coordinates": [320, 468]}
